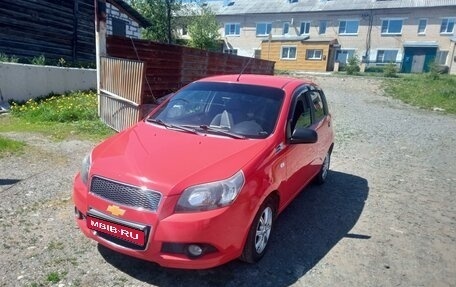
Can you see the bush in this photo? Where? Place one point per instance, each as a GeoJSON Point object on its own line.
{"type": "Point", "coordinates": [390, 70]}
{"type": "Point", "coordinates": [352, 66]}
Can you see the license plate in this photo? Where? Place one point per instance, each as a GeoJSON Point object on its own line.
{"type": "Point", "coordinates": [126, 233]}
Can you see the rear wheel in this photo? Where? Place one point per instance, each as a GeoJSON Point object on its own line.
{"type": "Point", "coordinates": [323, 174]}
{"type": "Point", "coordinates": [259, 233]}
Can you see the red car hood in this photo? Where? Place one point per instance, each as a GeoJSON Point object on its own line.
{"type": "Point", "coordinates": [168, 160]}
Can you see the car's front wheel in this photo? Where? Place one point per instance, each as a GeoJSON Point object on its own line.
{"type": "Point", "coordinates": [323, 174]}
{"type": "Point", "coordinates": [259, 233]}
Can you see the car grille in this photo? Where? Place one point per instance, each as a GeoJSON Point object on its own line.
{"type": "Point", "coordinates": [125, 194]}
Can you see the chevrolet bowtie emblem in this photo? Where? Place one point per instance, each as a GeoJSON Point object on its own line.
{"type": "Point", "coordinates": [115, 210]}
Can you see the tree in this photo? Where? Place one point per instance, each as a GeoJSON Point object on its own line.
{"type": "Point", "coordinates": [203, 30]}
{"type": "Point", "coordinates": [160, 14]}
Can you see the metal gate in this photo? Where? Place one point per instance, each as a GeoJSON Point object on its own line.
{"type": "Point", "coordinates": [121, 91]}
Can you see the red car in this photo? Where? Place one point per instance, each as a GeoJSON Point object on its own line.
{"type": "Point", "coordinates": [201, 180]}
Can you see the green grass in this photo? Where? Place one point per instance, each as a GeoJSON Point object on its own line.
{"type": "Point", "coordinates": [8, 146]}
{"type": "Point", "coordinates": [425, 91]}
{"type": "Point", "coordinates": [60, 116]}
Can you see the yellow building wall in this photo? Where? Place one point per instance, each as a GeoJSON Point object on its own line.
{"type": "Point", "coordinates": [273, 51]}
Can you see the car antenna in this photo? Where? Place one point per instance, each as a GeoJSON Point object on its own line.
{"type": "Point", "coordinates": [243, 69]}
{"type": "Point", "coordinates": [246, 65]}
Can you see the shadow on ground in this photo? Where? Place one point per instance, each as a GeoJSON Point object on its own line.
{"type": "Point", "coordinates": [8, 181]}
{"type": "Point", "coordinates": [304, 233]}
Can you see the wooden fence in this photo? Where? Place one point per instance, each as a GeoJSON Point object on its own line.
{"type": "Point", "coordinates": [170, 67]}
{"type": "Point", "coordinates": [137, 72]}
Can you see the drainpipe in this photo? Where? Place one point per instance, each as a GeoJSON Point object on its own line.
{"type": "Point", "coordinates": [100, 41]}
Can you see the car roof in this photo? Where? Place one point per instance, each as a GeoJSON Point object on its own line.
{"type": "Point", "coordinates": [261, 80]}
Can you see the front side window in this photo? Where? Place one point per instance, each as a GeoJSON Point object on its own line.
{"type": "Point", "coordinates": [318, 105]}
{"type": "Point", "coordinates": [348, 27]}
{"type": "Point", "coordinates": [314, 54]}
{"type": "Point", "coordinates": [447, 26]}
{"type": "Point", "coordinates": [305, 28]}
{"type": "Point", "coordinates": [288, 53]}
{"type": "Point", "coordinates": [422, 26]}
{"type": "Point", "coordinates": [386, 56]}
{"type": "Point", "coordinates": [302, 116]}
{"type": "Point", "coordinates": [232, 29]}
{"type": "Point", "coordinates": [263, 29]}
{"type": "Point", "coordinates": [392, 26]}
{"type": "Point", "coordinates": [222, 109]}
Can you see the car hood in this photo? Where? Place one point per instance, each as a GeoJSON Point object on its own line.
{"type": "Point", "coordinates": [169, 161]}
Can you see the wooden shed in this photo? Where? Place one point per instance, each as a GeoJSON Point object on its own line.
{"type": "Point", "coordinates": [300, 53]}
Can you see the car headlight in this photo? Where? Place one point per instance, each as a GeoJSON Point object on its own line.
{"type": "Point", "coordinates": [211, 195]}
{"type": "Point", "coordinates": [85, 168]}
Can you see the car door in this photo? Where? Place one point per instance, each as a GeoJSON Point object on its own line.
{"type": "Point", "coordinates": [300, 158]}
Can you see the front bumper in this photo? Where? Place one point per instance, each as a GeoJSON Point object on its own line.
{"type": "Point", "coordinates": [223, 230]}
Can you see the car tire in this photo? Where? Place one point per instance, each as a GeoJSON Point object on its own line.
{"type": "Point", "coordinates": [260, 232]}
{"type": "Point", "coordinates": [323, 173]}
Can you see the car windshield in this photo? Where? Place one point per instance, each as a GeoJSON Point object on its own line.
{"type": "Point", "coordinates": [226, 109]}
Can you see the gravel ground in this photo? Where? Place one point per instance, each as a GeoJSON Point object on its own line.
{"type": "Point", "coordinates": [386, 216]}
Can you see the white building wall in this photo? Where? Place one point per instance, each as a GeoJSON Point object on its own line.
{"type": "Point", "coordinates": [132, 27]}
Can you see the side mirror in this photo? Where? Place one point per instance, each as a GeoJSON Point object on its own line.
{"type": "Point", "coordinates": [304, 136]}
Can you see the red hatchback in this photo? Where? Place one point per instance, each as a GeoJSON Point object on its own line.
{"type": "Point", "coordinates": [201, 180]}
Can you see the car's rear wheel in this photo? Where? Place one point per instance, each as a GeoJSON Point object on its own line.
{"type": "Point", "coordinates": [323, 174]}
{"type": "Point", "coordinates": [259, 233]}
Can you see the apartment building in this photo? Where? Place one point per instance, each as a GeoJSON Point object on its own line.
{"type": "Point", "coordinates": [410, 33]}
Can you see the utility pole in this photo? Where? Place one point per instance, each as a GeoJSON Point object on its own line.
{"type": "Point", "coordinates": [100, 41]}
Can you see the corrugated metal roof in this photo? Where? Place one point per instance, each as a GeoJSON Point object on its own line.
{"type": "Point", "coordinates": [283, 6]}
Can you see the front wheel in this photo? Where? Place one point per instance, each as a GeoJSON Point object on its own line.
{"type": "Point", "coordinates": [259, 233]}
{"type": "Point", "coordinates": [323, 173]}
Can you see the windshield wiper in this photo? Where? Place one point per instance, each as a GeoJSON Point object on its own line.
{"type": "Point", "coordinates": [221, 132]}
{"type": "Point", "coordinates": [171, 126]}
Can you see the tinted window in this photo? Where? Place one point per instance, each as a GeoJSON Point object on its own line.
{"type": "Point", "coordinates": [246, 110]}
{"type": "Point", "coordinates": [317, 104]}
{"type": "Point", "coordinates": [302, 117]}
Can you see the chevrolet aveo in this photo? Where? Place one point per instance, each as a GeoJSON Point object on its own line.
{"type": "Point", "coordinates": [201, 180]}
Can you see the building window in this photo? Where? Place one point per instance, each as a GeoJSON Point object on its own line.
{"type": "Point", "coordinates": [263, 29]}
{"type": "Point", "coordinates": [447, 26]}
{"type": "Point", "coordinates": [422, 26]}
{"type": "Point", "coordinates": [441, 57]}
{"type": "Point", "coordinates": [343, 55]}
{"type": "Point", "coordinates": [305, 28]}
{"type": "Point", "coordinates": [314, 54]}
{"type": "Point", "coordinates": [286, 28]}
{"type": "Point", "coordinates": [322, 27]}
{"type": "Point", "coordinates": [119, 27]}
{"type": "Point", "coordinates": [392, 26]}
{"type": "Point", "coordinates": [232, 29]}
{"type": "Point", "coordinates": [386, 56]}
{"type": "Point", "coordinates": [184, 30]}
{"type": "Point", "coordinates": [348, 27]}
{"type": "Point", "coordinates": [230, 51]}
{"type": "Point", "coordinates": [288, 53]}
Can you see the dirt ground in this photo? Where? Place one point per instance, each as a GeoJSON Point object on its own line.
{"type": "Point", "coordinates": [386, 216]}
